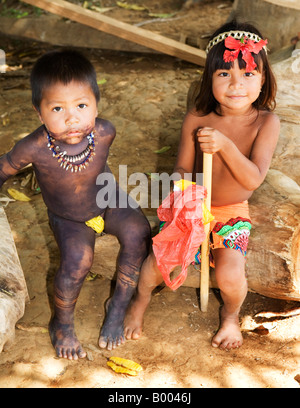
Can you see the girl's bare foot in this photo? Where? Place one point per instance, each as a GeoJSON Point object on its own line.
{"type": "Point", "coordinates": [150, 278]}
{"type": "Point", "coordinates": [229, 335]}
{"type": "Point", "coordinates": [135, 316]}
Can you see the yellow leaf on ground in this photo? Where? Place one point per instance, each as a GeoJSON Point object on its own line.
{"type": "Point", "coordinates": [120, 370]}
{"type": "Point", "coordinates": [131, 6]}
{"type": "Point", "coordinates": [17, 195]}
{"type": "Point", "coordinates": [124, 366]}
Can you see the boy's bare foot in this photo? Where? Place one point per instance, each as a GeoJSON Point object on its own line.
{"type": "Point", "coordinates": [112, 331]}
{"type": "Point", "coordinates": [64, 341]}
{"type": "Point", "coordinates": [229, 335]}
{"type": "Point", "coordinates": [135, 316]}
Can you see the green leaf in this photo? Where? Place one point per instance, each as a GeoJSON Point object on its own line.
{"type": "Point", "coordinates": [153, 176]}
{"type": "Point", "coordinates": [162, 150]}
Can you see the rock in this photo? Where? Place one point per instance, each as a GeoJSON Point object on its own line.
{"type": "Point", "coordinates": [274, 250]}
{"type": "Point", "coordinates": [284, 185]}
{"type": "Point", "coordinates": [13, 289]}
{"type": "Point", "coordinates": [278, 20]}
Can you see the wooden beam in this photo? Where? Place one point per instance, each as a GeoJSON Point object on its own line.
{"type": "Point", "coordinates": [122, 30]}
{"type": "Point", "coordinates": [55, 31]}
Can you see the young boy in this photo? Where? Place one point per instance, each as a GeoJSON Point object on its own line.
{"type": "Point", "coordinates": [68, 153]}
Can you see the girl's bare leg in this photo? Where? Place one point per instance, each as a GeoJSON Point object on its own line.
{"type": "Point", "coordinates": [150, 278]}
{"type": "Point", "coordinates": [231, 279]}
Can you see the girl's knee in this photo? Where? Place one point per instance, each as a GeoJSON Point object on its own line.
{"type": "Point", "coordinates": [235, 280]}
{"type": "Point", "coordinates": [230, 269]}
{"type": "Point", "coordinates": [232, 280]}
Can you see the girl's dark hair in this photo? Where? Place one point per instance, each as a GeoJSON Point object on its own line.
{"type": "Point", "coordinates": [205, 101]}
{"type": "Point", "coordinates": [61, 66]}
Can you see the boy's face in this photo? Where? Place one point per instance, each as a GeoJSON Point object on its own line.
{"type": "Point", "coordinates": [68, 111]}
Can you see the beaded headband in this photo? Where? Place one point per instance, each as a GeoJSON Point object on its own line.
{"type": "Point", "coordinates": [239, 41]}
{"type": "Point", "coordinates": [235, 34]}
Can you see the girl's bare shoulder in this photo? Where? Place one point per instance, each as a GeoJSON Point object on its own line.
{"type": "Point", "coordinates": [268, 118]}
{"type": "Point", "coordinates": [269, 125]}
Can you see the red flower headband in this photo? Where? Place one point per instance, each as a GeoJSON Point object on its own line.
{"type": "Point", "coordinates": [246, 47]}
{"type": "Point", "coordinates": [239, 41]}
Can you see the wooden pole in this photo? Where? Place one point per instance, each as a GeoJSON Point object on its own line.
{"type": "Point", "coordinates": [204, 279]}
{"type": "Point", "coordinates": [122, 30]}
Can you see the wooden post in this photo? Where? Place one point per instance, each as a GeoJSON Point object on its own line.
{"type": "Point", "coordinates": [204, 278]}
{"type": "Point", "coordinates": [122, 30]}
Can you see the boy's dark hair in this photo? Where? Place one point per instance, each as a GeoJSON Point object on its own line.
{"type": "Point", "coordinates": [205, 101]}
{"type": "Point", "coordinates": [61, 66]}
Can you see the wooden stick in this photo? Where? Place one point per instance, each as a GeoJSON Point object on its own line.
{"type": "Point", "coordinates": [204, 280]}
{"type": "Point", "coordinates": [123, 30]}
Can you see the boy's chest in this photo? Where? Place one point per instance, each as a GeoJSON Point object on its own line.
{"type": "Point", "coordinates": [88, 163]}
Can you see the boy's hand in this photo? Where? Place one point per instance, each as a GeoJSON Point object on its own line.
{"type": "Point", "coordinates": [210, 140]}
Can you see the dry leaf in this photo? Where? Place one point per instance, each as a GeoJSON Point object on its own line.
{"type": "Point", "coordinates": [101, 9]}
{"type": "Point", "coordinates": [158, 15]}
{"type": "Point", "coordinates": [91, 276]}
{"type": "Point", "coordinates": [124, 366]}
{"type": "Point", "coordinates": [17, 195]}
{"type": "Point", "coordinates": [127, 6]}
{"type": "Point", "coordinates": [120, 370]}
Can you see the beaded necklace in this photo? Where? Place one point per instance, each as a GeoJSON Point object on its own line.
{"type": "Point", "coordinates": [70, 162]}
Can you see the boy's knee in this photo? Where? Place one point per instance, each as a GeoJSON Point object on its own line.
{"type": "Point", "coordinates": [78, 263]}
{"type": "Point", "coordinates": [145, 230]}
{"type": "Point", "coordinates": [137, 233]}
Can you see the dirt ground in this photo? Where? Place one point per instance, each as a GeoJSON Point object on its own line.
{"type": "Point", "coordinates": [145, 97]}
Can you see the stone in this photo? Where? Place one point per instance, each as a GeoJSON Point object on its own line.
{"type": "Point", "coordinates": [278, 20]}
{"type": "Point", "coordinates": [13, 289]}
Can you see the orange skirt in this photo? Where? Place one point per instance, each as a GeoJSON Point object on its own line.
{"type": "Point", "coordinates": [229, 229]}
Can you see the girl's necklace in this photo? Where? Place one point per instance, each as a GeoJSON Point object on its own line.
{"type": "Point", "coordinates": [71, 162]}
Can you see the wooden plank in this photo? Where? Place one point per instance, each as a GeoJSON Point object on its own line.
{"type": "Point", "coordinates": [122, 30]}
{"type": "Point", "coordinates": [54, 30]}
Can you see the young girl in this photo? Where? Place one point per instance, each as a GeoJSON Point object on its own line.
{"type": "Point", "coordinates": [65, 95]}
{"type": "Point", "coordinates": [232, 120]}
